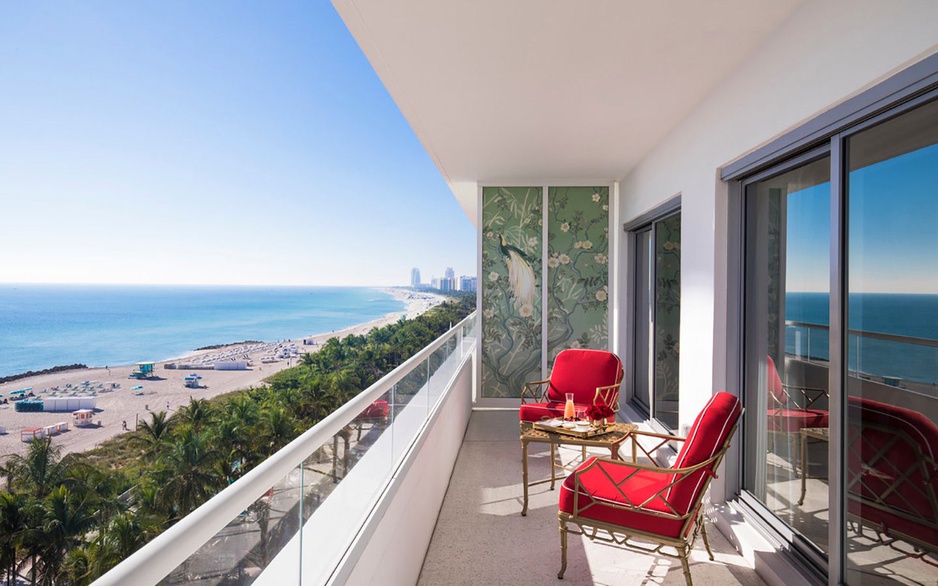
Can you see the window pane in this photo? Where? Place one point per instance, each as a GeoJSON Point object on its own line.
{"type": "Point", "coordinates": [643, 318]}
{"type": "Point", "coordinates": [786, 357]}
{"type": "Point", "coordinates": [892, 378]}
{"type": "Point", "coordinates": [667, 318]}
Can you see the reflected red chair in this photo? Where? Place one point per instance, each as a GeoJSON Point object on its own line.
{"type": "Point", "coordinates": [792, 408]}
{"type": "Point", "coordinates": [892, 473]}
{"type": "Point", "coordinates": [588, 374]}
{"type": "Point", "coordinates": [647, 508]}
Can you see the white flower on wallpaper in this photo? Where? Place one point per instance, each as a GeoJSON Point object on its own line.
{"type": "Point", "coordinates": [493, 276]}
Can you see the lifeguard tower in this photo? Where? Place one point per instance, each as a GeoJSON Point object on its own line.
{"type": "Point", "coordinates": [144, 370]}
{"type": "Point", "coordinates": [82, 418]}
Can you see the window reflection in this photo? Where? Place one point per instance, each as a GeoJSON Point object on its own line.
{"type": "Point", "coordinates": [787, 306]}
{"type": "Point", "coordinates": [892, 383]}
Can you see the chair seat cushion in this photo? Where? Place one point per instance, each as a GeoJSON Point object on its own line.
{"type": "Point", "coordinates": [598, 495]}
{"type": "Point", "coordinates": [539, 411]}
{"type": "Point", "coordinates": [793, 420]}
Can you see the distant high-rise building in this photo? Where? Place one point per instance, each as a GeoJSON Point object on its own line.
{"type": "Point", "coordinates": [415, 277]}
{"type": "Point", "coordinates": [447, 284]}
{"type": "Point", "coordinates": [467, 283]}
{"type": "Point", "coordinates": [434, 283]}
{"type": "Point", "coordinates": [449, 274]}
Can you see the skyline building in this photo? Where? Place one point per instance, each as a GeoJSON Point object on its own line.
{"type": "Point", "coordinates": [415, 277]}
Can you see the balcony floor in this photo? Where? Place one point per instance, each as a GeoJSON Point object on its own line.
{"type": "Point", "coordinates": [481, 537]}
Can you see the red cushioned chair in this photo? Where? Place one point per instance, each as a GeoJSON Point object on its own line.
{"type": "Point", "coordinates": [892, 473]}
{"type": "Point", "coordinates": [792, 408]}
{"type": "Point", "coordinates": [644, 507]}
{"type": "Point", "coordinates": [588, 374]}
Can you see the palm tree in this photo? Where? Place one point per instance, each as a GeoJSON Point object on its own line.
{"type": "Point", "coordinates": [63, 520]}
{"type": "Point", "coordinates": [188, 472]}
{"type": "Point", "coordinates": [277, 428]}
{"type": "Point", "coordinates": [13, 524]}
{"type": "Point", "coordinates": [196, 413]}
{"type": "Point", "coordinates": [122, 536]}
{"type": "Point", "coordinates": [40, 470]}
{"type": "Point", "coordinates": [155, 432]}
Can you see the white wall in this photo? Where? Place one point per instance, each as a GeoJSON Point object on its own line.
{"type": "Point", "coordinates": [826, 52]}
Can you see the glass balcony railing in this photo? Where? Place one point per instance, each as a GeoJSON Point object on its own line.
{"type": "Point", "coordinates": [298, 512]}
{"type": "Point", "coordinates": [892, 359]}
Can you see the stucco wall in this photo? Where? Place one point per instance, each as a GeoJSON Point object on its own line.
{"type": "Point", "coordinates": [825, 53]}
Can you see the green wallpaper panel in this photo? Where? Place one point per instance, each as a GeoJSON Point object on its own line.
{"type": "Point", "coordinates": [512, 228]}
{"type": "Point", "coordinates": [577, 268]}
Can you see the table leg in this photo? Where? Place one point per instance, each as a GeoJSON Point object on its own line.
{"type": "Point", "coordinates": [553, 465]}
{"type": "Point", "coordinates": [804, 467]}
{"type": "Point", "coordinates": [524, 476]}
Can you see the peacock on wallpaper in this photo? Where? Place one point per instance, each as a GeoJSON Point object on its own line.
{"type": "Point", "coordinates": [577, 268]}
{"type": "Point", "coordinates": [510, 279]}
{"type": "Point", "coordinates": [512, 259]}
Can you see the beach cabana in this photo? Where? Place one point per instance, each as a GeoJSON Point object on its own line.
{"type": "Point", "coordinates": [32, 433]}
{"type": "Point", "coordinates": [192, 381]}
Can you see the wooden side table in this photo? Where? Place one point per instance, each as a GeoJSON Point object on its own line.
{"type": "Point", "coordinates": [611, 441]}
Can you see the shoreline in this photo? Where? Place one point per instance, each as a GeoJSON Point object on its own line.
{"type": "Point", "coordinates": [119, 400]}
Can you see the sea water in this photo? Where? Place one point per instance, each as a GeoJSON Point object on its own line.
{"type": "Point", "coordinates": [907, 315]}
{"type": "Point", "coordinates": [101, 325]}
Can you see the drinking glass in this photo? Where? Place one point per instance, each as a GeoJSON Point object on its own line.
{"type": "Point", "coordinates": [569, 412]}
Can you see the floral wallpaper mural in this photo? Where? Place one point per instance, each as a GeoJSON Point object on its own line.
{"type": "Point", "coordinates": [577, 268]}
{"type": "Point", "coordinates": [512, 226]}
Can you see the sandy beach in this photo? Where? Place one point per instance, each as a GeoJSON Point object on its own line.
{"type": "Point", "coordinates": [167, 392]}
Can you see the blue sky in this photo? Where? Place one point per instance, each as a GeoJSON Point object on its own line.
{"type": "Point", "coordinates": [893, 228]}
{"type": "Point", "coordinates": [209, 142]}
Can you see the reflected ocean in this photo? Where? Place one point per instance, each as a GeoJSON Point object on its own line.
{"type": "Point", "coordinates": [42, 326]}
{"type": "Point", "coordinates": [911, 315]}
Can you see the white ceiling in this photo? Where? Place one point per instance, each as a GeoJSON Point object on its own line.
{"type": "Point", "coordinates": [551, 90]}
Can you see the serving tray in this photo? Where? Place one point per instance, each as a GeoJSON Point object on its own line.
{"type": "Point", "coordinates": [591, 432]}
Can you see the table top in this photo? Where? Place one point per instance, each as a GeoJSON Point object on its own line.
{"type": "Point", "coordinates": [619, 432]}
{"type": "Point", "coordinates": [816, 432]}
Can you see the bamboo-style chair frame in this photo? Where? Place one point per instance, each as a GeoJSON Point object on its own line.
{"type": "Point", "coordinates": [902, 487]}
{"type": "Point", "coordinates": [636, 539]}
{"type": "Point", "coordinates": [808, 395]}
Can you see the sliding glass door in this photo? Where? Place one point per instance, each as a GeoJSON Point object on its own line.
{"type": "Point", "coordinates": [657, 311]}
{"type": "Point", "coordinates": [840, 349]}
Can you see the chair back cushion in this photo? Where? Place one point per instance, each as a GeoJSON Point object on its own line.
{"type": "Point", "coordinates": [581, 372]}
{"type": "Point", "coordinates": [707, 436]}
{"type": "Point", "coordinates": [776, 389]}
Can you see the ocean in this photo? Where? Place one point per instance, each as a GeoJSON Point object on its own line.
{"type": "Point", "coordinates": [42, 326]}
{"type": "Point", "coordinates": [909, 315]}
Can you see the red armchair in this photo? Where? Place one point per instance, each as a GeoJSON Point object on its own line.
{"type": "Point", "coordinates": [644, 507]}
{"type": "Point", "coordinates": [892, 473]}
{"type": "Point", "coordinates": [792, 408]}
{"type": "Point", "coordinates": [588, 374]}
